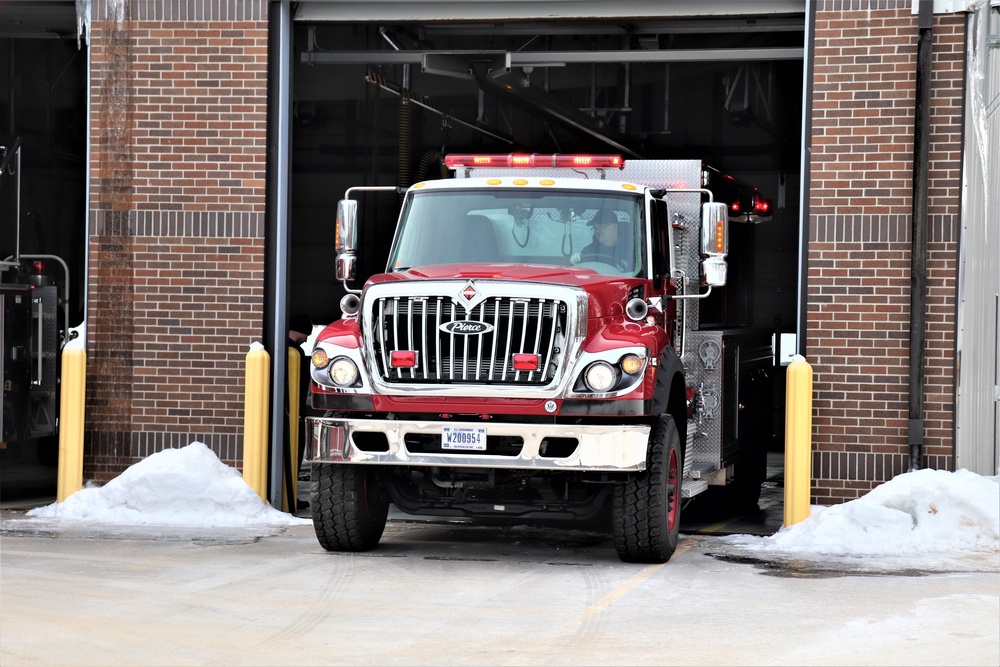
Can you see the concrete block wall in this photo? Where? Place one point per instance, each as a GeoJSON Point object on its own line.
{"type": "Point", "coordinates": [176, 247]}
{"type": "Point", "coordinates": [860, 213]}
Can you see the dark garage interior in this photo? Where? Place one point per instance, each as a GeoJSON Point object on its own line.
{"type": "Point", "coordinates": [380, 104]}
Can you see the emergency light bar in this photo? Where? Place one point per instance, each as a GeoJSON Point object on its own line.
{"type": "Point", "coordinates": [535, 160]}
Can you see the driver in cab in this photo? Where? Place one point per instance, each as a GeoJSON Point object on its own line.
{"type": "Point", "coordinates": [609, 245]}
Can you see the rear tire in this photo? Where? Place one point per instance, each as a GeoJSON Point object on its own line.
{"type": "Point", "coordinates": [646, 514]}
{"type": "Point", "coordinates": [349, 506]}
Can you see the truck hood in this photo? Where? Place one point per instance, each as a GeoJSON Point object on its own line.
{"type": "Point", "coordinates": [607, 294]}
{"type": "Point", "coordinates": [541, 273]}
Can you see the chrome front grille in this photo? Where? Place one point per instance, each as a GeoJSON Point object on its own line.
{"type": "Point", "coordinates": [515, 325]}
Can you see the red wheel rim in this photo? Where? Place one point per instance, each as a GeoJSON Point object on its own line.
{"type": "Point", "coordinates": [673, 490]}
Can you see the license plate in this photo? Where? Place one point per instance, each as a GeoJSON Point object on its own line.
{"type": "Point", "coordinates": [463, 437]}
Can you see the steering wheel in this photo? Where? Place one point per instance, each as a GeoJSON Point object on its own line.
{"type": "Point", "coordinates": [600, 257]}
{"type": "Point", "coordinates": [605, 258]}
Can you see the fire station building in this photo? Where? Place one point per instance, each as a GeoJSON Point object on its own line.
{"type": "Point", "coordinates": [183, 160]}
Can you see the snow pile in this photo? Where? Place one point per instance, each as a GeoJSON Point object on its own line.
{"type": "Point", "coordinates": [915, 514]}
{"type": "Point", "coordinates": [921, 511]}
{"type": "Point", "coordinates": [189, 486]}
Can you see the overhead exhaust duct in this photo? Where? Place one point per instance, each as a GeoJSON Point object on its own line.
{"type": "Point", "coordinates": [425, 102]}
{"type": "Point", "coordinates": [547, 105]}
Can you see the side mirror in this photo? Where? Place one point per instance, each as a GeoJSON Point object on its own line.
{"type": "Point", "coordinates": [347, 225]}
{"type": "Point", "coordinates": [346, 238]}
{"type": "Point", "coordinates": [714, 243]}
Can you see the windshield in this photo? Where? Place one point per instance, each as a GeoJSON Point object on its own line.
{"type": "Point", "coordinates": [595, 230]}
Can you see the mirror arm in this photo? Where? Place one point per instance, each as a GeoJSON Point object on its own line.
{"type": "Point", "coordinates": [691, 296]}
{"type": "Point", "coordinates": [374, 188]}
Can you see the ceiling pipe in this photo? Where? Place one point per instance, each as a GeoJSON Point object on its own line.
{"type": "Point", "coordinates": [918, 241]}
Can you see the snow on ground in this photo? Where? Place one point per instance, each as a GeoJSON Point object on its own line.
{"type": "Point", "coordinates": [927, 519]}
{"type": "Point", "coordinates": [189, 486]}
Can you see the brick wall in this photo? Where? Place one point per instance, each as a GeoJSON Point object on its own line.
{"type": "Point", "coordinates": [860, 216]}
{"type": "Point", "coordinates": [176, 295]}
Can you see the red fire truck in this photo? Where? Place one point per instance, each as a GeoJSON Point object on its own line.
{"type": "Point", "coordinates": [513, 363]}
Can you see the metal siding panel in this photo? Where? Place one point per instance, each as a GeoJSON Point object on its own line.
{"type": "Point", "coordinates": [977, 410]}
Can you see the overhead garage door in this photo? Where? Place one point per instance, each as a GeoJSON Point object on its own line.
{"type": "Point", "coordinates": [510, 10]}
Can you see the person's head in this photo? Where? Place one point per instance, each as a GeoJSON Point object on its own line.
{"type": "Point", "coordinates": [299, 328]}
{"type": "Point", "coordinates": [605, 224]}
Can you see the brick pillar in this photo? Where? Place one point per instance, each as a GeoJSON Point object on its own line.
{"type": "Point", "coordinates": [176, 277]}
{"type": "Point", "coordinates": [860, 213]}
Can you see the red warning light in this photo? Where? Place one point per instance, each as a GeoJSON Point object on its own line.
{"type": "Point", "coordinates": [526, 362]}
{"type": "Point", "coordinates": [762, 206]}
{"type": "Point", "coordinates": [403, 359]}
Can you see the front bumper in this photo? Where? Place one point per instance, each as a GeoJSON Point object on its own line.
{"type": "Point", "coordinates": [614, 448]}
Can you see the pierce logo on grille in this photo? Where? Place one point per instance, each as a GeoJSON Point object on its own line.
{"type": "Point", "coordinates": [466, 327]}
{"type": "Point", "coordinates": [469, 291]}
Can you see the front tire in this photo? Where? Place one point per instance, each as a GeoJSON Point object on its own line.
{"type": "Point", "coordinates": [646, 515]}
{"type": "Point", "coordinates": [349, 506]}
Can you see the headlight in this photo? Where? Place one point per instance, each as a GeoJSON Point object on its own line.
{"type": "Point", "coordinates": [343, 372]}
{"type": "Point", "coordinates": [600, 377]}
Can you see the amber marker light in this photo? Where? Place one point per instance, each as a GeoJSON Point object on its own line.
{"type": "Point", "coordinates": [631, 364]}
{"type": "Point", "coordinates": [319, 358]}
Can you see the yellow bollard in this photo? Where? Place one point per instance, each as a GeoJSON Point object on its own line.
{"type": "Point", "coordinates": [255, 419]}
{"type": "Point", "coordinates": [294, 374]}
{"type": "Point", "coordinates": [72, 403]}
{"type": "Point", "coordinates": [798, 440]}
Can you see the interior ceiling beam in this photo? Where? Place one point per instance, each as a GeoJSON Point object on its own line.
{"type": "Point", "coordinates": [556, 58]}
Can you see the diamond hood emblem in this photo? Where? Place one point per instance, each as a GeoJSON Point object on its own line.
{"type": "Point", "coordinates": [469, 291]}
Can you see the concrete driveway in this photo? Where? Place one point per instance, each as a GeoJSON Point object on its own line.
{"type": "Point", "coordinates": [438, 593]}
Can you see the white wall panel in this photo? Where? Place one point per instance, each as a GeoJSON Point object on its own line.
{"type": "Point", "coordinates": [977, 401]}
